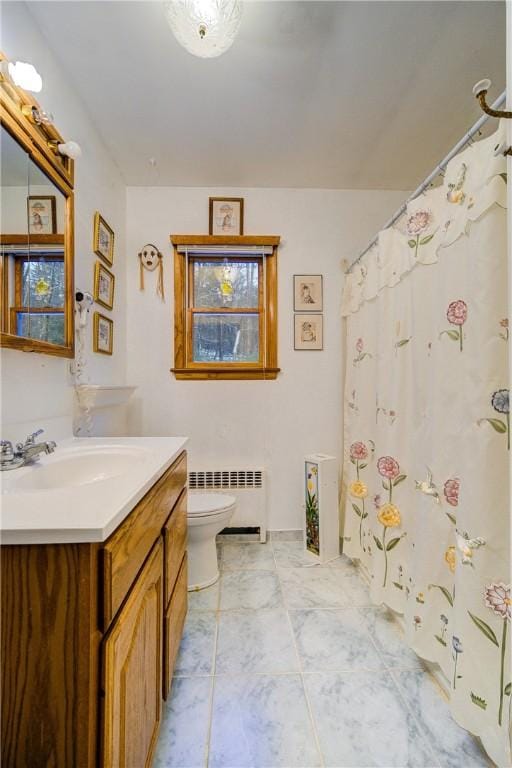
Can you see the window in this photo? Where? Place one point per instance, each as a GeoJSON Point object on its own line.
{"type": "Point", "coordinates": [39, 297]}
{"type": "Point", "coordinates": [225, 315]}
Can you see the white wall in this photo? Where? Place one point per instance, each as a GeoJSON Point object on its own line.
{"type": "Point", "coordinates": [38, 387]}
{"type": "Point", "coordinates": [270, 423]}
{"type": "Point", "coordinates": [13, 215]}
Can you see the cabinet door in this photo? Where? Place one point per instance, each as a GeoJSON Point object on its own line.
{"type": "Point", "coordinates": [132, 672]}
{"type": "Point", "coordinates": [174, 621]}
{"type": "Point", "coordinates": [126, 549]}
{"type": "Point", "coordinates": [175, 544]}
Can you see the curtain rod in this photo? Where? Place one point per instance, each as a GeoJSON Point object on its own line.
{"type": "Point", "coordinates": [430, 178]}
{"type": "Point", "coordinates": [225, 250]}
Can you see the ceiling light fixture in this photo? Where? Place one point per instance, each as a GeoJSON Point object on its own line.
{"type": "Point", "coordinates": [23, 75]}
{"type": "Point", "coordinates": [205, 28]}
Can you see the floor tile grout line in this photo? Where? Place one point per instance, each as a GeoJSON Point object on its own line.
{"type": "Point", "coordinates": [214, 675]}
{"type": "Point", "coordinates": [391, 671]}
{"type": "Point", "coordinates": [385, 668]}
{"type": "Point", "coordinates": [396, 669]}
{"type": "Point", "coordinates": [214, 668]}
{"type": "Point", "coordinates": [306, 697]}
{"type": "Point", "coordinates": [331, 671]}
{"type": "Point", "coordinates": [416, 720]}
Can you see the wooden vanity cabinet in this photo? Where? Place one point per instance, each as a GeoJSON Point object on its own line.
{"type": "Point", "coordinates": [89, 638]}
{"type": "Point", "coordinates": [132, 671]}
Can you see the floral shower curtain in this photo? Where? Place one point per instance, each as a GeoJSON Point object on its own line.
{"type": "Point", "coordinates": [427, 433]}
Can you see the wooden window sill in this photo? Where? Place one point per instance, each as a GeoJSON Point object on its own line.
{"type": "Point", "coordinates": [232, 373]}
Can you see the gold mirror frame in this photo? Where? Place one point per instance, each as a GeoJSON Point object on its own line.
{"type": "Point", "coordinates": [39, 142]}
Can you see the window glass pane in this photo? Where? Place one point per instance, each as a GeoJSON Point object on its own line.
{"type": "Point", "coordinates": [44, 326]}
{"type": "Point", "coordinates": [229, 338]}
{"type": "Point", "coordinates": [226, 284]}
{"type": "Point", "coordinates": [43, 283]}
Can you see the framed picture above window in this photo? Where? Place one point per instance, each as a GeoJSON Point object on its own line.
{"type": "Point", "coordinates": [226, 216]}
{"type": "Point", "coordinates": [309, 332]}
{"type": "Point", "coordinates": [225, 322]}
{"type": "Point", "coordinates": [103, 286]}
{"type": "Point", "coordinates": [42, 214]}
{"type": "Point", "coordinates": [308, 293]}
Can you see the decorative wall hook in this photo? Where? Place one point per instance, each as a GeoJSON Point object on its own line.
{"type": "Point", "coordinates": [480, 92]}
{"type": "Point", "coordinates": [150, 258]}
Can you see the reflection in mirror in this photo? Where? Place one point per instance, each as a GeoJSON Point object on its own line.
{"type": "Point", "coordinates": [32, 229]}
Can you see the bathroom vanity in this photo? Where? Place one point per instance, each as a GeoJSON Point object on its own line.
{"type": "Point", "coordinates": [94, 598]}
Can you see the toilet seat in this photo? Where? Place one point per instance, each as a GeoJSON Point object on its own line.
{"type": "Point", "coordinates": [208, 504]}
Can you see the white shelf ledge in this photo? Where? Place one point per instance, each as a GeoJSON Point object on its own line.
{"type": "Point", "coordinates": [93, 396]}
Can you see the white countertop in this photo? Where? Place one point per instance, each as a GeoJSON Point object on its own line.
{"type": "Point", "coordinates": [86, 508]}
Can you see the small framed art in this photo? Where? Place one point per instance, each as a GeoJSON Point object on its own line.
{"type": "Point", "coordinates": [103, 286]}
{"type": "Point", "coordinates": [226, 216]}
{"type": "Point", "coordinates": [309, 332]}
{"type": "Point", "coordinates": [103, 334]}
{"type": "Point", "coordinates": [308, 293]}
{"type": "Point", "coordinates": [42, 214]}
{"type": "Point", "coordinates": [103, 245]}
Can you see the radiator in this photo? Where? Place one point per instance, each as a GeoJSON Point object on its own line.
{"type": "Point", "coordinates": [246, 485]}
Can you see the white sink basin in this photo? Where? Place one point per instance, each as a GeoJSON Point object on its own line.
{"type": "Point", "coordinates": [71, 468]}
{"type": "Point", "coordinates": [83, 491]}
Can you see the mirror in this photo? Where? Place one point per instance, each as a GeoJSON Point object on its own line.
{"type": "Point", "coordinates": [36, 252]}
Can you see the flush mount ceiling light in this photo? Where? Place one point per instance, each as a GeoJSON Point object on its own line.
{"type": "Point", "coordinates": [205, 28]}
{"type": "Point", "coordinates": [23, 75]}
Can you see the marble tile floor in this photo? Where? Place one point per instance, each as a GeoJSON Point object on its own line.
{"type": "Point", "coordinates": [285, 666]}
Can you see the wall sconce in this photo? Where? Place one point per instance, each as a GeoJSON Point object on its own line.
{"type": "Point", "coordinates": [480, 92]}
{"type": "Point", "coordinates": [36, 115]}
{"type": "Point", "coordinates": [22, 74]}
{"type": "Point", "coordinates": [69, 149]}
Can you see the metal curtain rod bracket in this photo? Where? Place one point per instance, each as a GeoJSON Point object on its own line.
{"type": "Point", "coordinates": [493, 112]}
{"type": "Point", "coordinates": [480, 92]}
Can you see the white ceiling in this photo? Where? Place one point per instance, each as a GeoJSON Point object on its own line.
{"type": "Point", "coordinates": [312, 94]}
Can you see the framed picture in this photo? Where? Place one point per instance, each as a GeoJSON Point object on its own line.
{"type": "Point", "coordinates": [103, 334]}
{"type": "Point", "coordinates": [309, 332]}
{"type": "Point", "coordinates": [103, 286]}
{"type": "Point", "coordinates": [42, 214]}
{"type": "Point", "coordinates": [226, 216]}
{"type": "Point", "coordinates": [103, 245]}
{"type": "Point", "coordinates": [308, 293]}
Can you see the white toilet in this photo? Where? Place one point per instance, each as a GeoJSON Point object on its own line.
{"type": "Point", "coordinates": [207, 515]}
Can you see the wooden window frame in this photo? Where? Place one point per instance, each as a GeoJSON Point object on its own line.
{"type": "Point", "coordinates": [266, 367]}
{"type": "Point", "coordinates": [18, 293]}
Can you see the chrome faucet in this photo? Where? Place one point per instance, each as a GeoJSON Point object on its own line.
{"type": "Point", "coordinates": [25, 453]}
